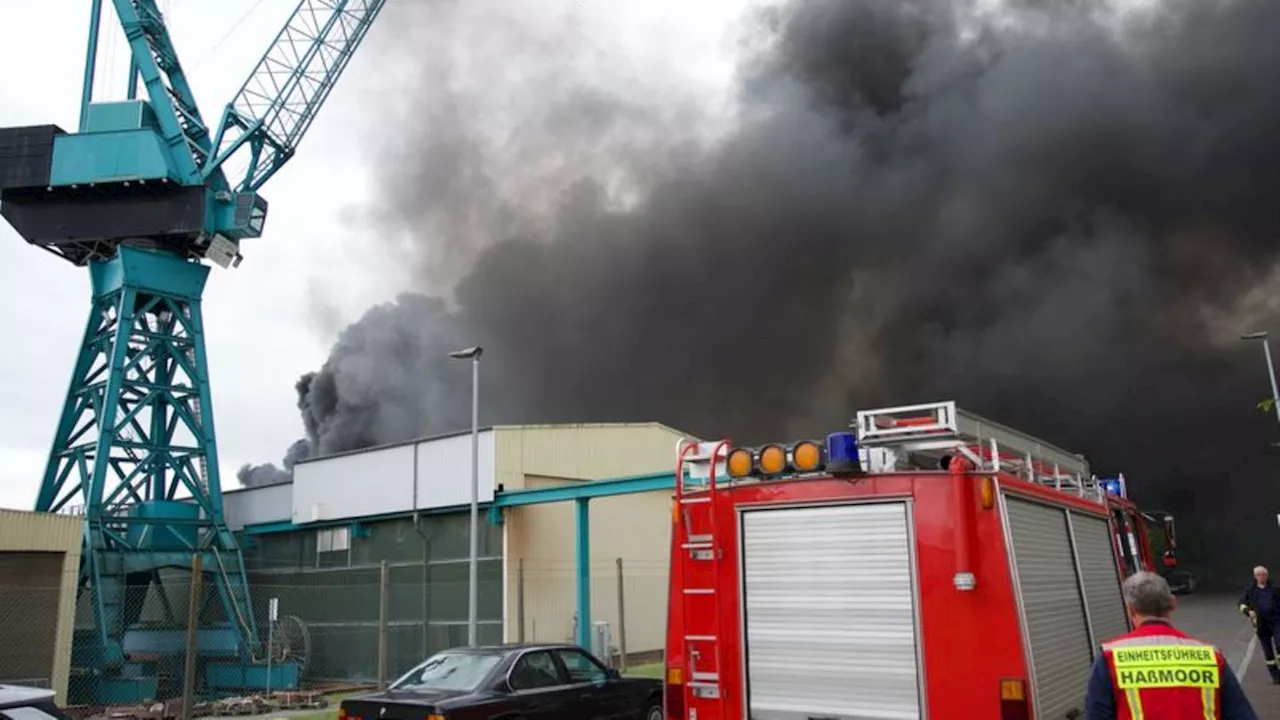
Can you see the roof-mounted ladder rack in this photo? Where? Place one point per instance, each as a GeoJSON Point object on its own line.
{"type": "Point", "coordinates": [936, 430]}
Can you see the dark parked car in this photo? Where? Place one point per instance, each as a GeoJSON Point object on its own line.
{"type": "Point", "coordinates": [1181, 582]}
{"type": "Point", "coordinates": [529, 682]}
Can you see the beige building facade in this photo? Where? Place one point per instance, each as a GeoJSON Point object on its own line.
{"type": "Point", "coordinates": [539, 553]}
{"type": "Point", "coordinates": [39, 564]}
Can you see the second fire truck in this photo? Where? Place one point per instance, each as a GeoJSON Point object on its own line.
{"type": "Point", "coordinates": [928, 564]}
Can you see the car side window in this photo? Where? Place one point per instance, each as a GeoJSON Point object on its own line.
{"type": "Point", "coordinates": [582, 668]}
{"type": "Point", "coordinates": [535, 670]}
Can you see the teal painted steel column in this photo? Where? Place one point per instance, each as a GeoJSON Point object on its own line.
{"type": "Point", "coordinates": [90, 63]}
{"type": "Point", "coordinates": [583, 526]}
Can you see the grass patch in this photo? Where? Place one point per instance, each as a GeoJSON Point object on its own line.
{"type": "Point", "coordinates": [648, 670]}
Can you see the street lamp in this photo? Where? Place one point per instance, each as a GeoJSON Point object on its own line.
{"type": "Point", "coordinates": [473, 354]}
{"type": "Point", "coordinates": [1271, 371]}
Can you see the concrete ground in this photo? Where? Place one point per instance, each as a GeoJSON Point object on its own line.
{"type": "Point", "coordinates": [1214, 619]}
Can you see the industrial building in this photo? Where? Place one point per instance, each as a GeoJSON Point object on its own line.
{"type": "Point", "coordinates": [39, 563]}
{"type": "Point", "coordinates": [319, 544]}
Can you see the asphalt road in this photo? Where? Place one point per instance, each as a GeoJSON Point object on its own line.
{"type": "Point", "coordinates": [1214, 619]}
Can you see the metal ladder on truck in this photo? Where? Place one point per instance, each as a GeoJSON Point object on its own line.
{"type": "Point", "coordinates": [698, 504]}
{"type": "Point", "coordinates": [932, 431]}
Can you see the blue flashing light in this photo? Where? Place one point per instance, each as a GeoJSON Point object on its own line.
{"type": "Point", "coordinates": [842, 453]}
{"type": "Point", "coordinates": [1113, 487]}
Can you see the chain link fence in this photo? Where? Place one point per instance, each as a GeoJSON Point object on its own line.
{"type": "Point", "coordinates": [349, 626]}
{"type": "Point", "coordinates": [628, 596]}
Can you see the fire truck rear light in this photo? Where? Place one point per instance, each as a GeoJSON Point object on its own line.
{"type": "Point", "coordinates": [739, 462]}
{"type": "Point", "coordinates": [1013, 699]}
{"type": "Point", "coordinates": [675, 694]}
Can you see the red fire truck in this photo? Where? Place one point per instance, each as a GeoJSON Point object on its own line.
{"type": "Point", "coordinates": [929, 564]}
{"type": "Point", "coordinates": [1137, 530]}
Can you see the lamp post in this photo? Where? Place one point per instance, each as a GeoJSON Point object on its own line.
{"type": "Point", "coordinates": [473, 354]}
{"type": "Point", "coordinates": [1271, 371]}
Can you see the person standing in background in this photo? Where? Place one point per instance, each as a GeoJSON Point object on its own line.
{"type": "Point", "coordinates": [1261, 604]}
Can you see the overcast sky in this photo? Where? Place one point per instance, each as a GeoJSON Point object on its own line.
{"type": "Point", "coordinates": [262, 325]}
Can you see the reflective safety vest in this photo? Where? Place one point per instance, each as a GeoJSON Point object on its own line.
{"type": "Point", "coordinates": [1160, 673]}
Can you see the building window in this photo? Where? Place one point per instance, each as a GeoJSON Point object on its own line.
{"type": "Point", "coordinates": [332, 540]}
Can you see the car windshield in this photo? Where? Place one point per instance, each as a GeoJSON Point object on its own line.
{"type": "Point", "coordinates": [449, 671]}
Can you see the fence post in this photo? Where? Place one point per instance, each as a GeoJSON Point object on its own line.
{"type": "Point", "coordinates": [193, 623]}
{"type": "Point", "coordinates": [520, 601]}
{"type": "Point", "coordinates": [384, 589]}
{"type": "Point", "coordinates": [622, 622]}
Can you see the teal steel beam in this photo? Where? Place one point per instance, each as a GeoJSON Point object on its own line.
{"type": "Point", "coordinates": [583, 526]}
{"type": "Point", "coordinates": [90, 63]}
{"type": "Point", "coordinates": [281, 526]}
{"type": "Point", "coordinates": [587, 489]}
{"type": "Point", "coordinates": [581, 493]}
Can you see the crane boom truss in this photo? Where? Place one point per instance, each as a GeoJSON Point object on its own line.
{"type": "Point", "coordinates": [280, 99]}
{"type": "Point", "coordinates": [156, 60]}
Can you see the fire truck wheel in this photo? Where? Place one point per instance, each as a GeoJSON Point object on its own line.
{"type": "Point", "coordinates": [653, 711]}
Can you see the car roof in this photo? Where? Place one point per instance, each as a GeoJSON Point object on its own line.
{"type": "Point", "coordinates": [16, 695]}
{"type": "Point", "coordinates": [509, 648]}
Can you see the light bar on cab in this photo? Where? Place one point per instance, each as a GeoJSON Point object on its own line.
{"type": "Point", "coordinates": [842, 453]}
{"type": "Point", "coordinates": [1114, 486]}
{"type": "Point", "coordinates": [774, 460]}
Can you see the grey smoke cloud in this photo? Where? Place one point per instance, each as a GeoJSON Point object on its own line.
{"type": "Point", "coordinates": [1059, 215]}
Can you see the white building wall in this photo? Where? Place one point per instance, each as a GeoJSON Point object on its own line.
{"type": "Point", "coordinates": [252, 506]}
{"type": "Point", "coordinates": [444, 471]}
{"type": "Point", "coordinates": [388, 480]}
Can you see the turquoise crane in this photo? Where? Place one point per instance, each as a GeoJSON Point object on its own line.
{"type": "Point", "coordinates": [142, 194]}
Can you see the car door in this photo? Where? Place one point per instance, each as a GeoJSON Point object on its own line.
{"type": "Point", "coordinates": [540, 690]}
{"type": "Point", "coordinates": [602, 699]}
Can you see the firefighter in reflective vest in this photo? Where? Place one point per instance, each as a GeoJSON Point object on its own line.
{"type": "Point", "coordinates": [1156, 672]}
{"type": "Point", "coordinates": [1261, 602]}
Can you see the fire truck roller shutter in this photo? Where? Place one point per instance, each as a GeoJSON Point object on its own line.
{"type": "Point", "coordinates": [829, 612]}
{"type": "Point", "coordinates": [1052, 607]}
{"type": "Point", "coordinates": [1101, 578]}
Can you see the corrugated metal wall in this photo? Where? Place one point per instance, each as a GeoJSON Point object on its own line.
{"type": "Point", "coordinates": [39, 562]}
{"type": "Point", "coordinates": [337, 594]}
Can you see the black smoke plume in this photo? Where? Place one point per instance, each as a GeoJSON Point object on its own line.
{"type": "Point", "coordinates": [1060, 214]}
